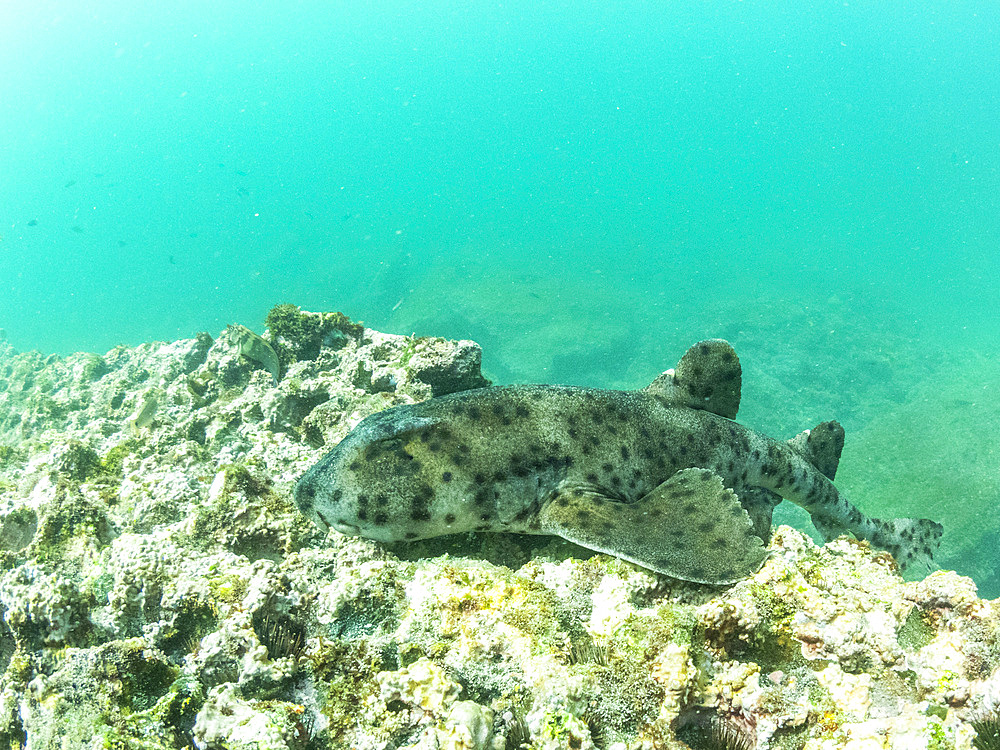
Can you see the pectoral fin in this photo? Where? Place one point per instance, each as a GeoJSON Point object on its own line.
{"type": "Point", "coordinates": [690, 527]}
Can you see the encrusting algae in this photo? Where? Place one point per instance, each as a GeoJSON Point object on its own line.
{"type": "Point", "coordinates": [161, 590]}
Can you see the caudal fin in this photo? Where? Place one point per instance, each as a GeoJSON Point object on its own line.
{"type": "Point", "coordinates": [912, 541]}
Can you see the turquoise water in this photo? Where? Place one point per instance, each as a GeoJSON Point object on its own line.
{"type": "Point", "coordinates": [584, 188]}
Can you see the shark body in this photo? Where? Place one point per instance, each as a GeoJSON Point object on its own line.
{"type": "Point", "coordinates": [661, 477]}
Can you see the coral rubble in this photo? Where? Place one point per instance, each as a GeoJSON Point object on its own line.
{"type": "Point", "coordinates": [160, 589]}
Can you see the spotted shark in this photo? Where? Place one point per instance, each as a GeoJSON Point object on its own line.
{"type": "Point", "coordinates": [662, 477]}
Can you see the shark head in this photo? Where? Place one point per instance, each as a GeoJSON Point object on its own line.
{"type": "Point", "coordinates": [370, 484]}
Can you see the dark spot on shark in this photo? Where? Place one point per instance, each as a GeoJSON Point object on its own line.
{"type": "Point", "coordinates": [499, 466]}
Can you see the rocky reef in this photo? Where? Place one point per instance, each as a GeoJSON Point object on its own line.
{"type": "Point", "coordinates": [160, 589]}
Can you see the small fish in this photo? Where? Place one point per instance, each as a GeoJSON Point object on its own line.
{"type": "Point", "coordinates": [254, 347]}
{"type": "Point", "coordinates": [146, 410]}
{"type": "Point", "coordinates": [77, 228]}
{"type": "Point", "coordinates": [70, 184]}
{"type": "Point", "coordinates": [122, 243]}
{"type": "Point", "coordinates": [33, 223]}
{"type": "Point", "coordinates": [661, 477]}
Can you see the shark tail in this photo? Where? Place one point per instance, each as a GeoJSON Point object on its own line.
{"type": "Point", "coordinates": [912, 541]}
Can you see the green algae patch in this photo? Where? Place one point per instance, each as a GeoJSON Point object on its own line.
{"type": "Point", "coordinates": [240, 479]}
{"type": "Point", "coordinates": [78, 462]}
{"type": "Point", "coordinates": [112, 464]}
{"type": "Point", "coordinates": [916, 631]}
{"type": "Point", "coordinates": [229, 589]}
{"type": "Point", "coordinates": [125, 696]}
{"type": "Point", "coordinates": [345, 677]}
{"type": "Point", "coordinates": [91, 367]}
{"type": "Point", "coordinates": [532, 609]}
{"type": "Point", "coordinates": [142, 677]}
{"type": "Point", "coordinates": [674, 623]}
{"type": "Point", "coordinates": [70, 517]}
{"type": "Point", "coordinates": [10, 456]}
{"type": "Point", "coordinates": [297, 335]}
{"type": "Point", "coordinates": [249, 518]}
{"type": "Point", "coordinates": [630, 698]}
{"type": "Point", "coordinates": [18, 528]}
{"type": "Point", "coordinates": [194, 619]}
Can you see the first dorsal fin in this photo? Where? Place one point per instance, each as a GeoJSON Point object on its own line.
{"type": "Point", "coordinates": [707, 377]}
{"type": "Point", "coordinates": [821, 446]}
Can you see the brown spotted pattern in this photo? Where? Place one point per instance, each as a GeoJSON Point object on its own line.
{"type": "Point", "coordinates": [655, 476]}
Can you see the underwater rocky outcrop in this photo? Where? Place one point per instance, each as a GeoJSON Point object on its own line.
{"type": "Point", "coordinates": [160, 589]}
